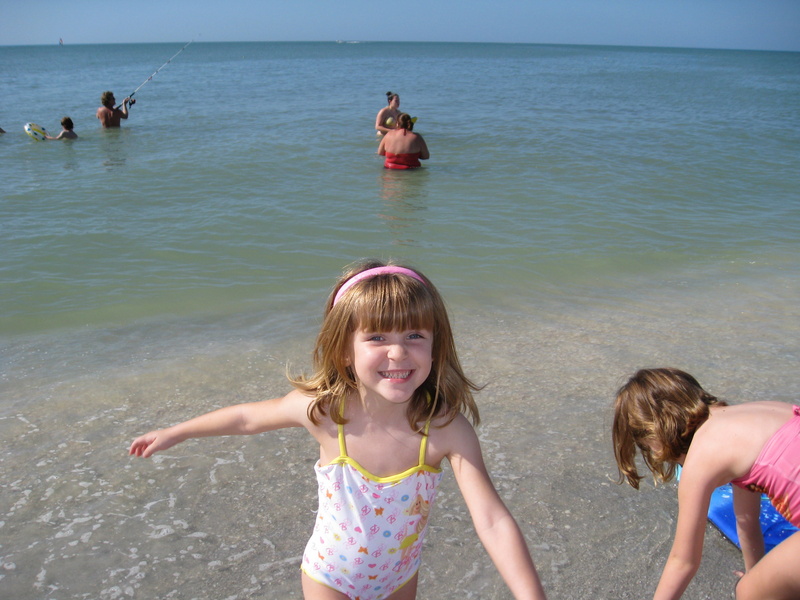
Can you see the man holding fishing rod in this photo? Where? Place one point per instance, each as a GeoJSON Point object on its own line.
{"type": "Point", "coordinates": [109, 115]}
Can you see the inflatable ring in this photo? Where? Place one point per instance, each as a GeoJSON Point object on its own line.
{"type": "Point", "coordinates": [36, 132]}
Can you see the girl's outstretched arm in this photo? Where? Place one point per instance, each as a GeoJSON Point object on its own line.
{"type": "Point", "coordinates": [239, 419]}
{"type": "Point", "coordinates": [496, 528]}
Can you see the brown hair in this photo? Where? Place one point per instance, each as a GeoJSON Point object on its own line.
{"type": "Point", "coordinates": [386, 302]}
{"type": "Point", "coordinates": [404, 122]}
{"type": "Point", "coordinates": [664, 406]}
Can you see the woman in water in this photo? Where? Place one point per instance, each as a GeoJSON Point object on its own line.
{"type": "Point", "coordinates": [402, 147]}
{"type": "Point", "coordinates": [387, 116]}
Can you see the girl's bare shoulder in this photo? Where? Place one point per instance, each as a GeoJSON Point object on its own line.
{"type": "Point", "coordinates": [447, 436]}
{"type": "Point", "coordinates": [733, 436]}
{"type": "Point", "coordinates": [294, 406]}
{"type": "Point", "coordinates": [763, 417]}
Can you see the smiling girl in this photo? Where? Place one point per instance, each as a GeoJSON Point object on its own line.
{"type": "Point", "coordinates": [387, 402]}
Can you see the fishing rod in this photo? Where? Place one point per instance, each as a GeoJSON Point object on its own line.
{"type": "Point", "coordinates": [154, 74]}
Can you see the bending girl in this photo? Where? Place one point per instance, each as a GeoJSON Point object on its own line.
{"type": "Point", "coordinates": [755, 446]}
{"type": "Point", "coordinates": [387, 403]}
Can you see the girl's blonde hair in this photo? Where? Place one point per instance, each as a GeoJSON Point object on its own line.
{"type": "Point", "coordinates": [386, 302]}
{"type": "Point", "coordinates": [663, 407]}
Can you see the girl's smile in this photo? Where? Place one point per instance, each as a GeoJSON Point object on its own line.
{"type": "Point", "coordinates": [395, 374]}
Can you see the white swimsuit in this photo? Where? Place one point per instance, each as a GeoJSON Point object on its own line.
{"type": "Point", "coordinates": [369, 530]}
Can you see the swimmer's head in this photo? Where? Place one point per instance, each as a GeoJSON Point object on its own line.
{"type": "Point", "coordinates": [405, 122]}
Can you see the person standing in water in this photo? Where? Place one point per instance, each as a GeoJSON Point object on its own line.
{"type": "Point", "coordinates": [67, 132]}
{"type": "Point", "coordinates": [387, 116]}
{"type": "Point", "coordinates": [402, 147]}
{"type": "Point", "coordinates": [109, 115]}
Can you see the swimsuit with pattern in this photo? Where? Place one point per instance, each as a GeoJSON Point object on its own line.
{"type": "Point", "coordinates": [369, 530]}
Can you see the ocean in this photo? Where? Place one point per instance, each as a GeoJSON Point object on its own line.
{"type": "Point", "coordinates": [586, 211]}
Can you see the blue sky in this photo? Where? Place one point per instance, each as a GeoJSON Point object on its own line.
{"type": "Point", "coordinates": [730, 24]}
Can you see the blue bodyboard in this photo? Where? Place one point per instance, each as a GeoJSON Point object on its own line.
{"type": "Point", "coordinates": [720, 512]}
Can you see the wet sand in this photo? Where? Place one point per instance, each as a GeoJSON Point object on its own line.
{"type": "Point", "coordinates": [229, 517]}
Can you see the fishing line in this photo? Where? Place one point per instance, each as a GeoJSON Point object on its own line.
{"type": "Point", "coordinates": [154, 74]}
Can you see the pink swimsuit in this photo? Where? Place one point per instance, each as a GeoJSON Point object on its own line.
{"type": "Point", "coordinates": [776, 471]}
{"type": "Point", "coordinates": [369, 530]}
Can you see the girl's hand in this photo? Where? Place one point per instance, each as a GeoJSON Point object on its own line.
{"type": "Point", "coordinates": [148, 444]}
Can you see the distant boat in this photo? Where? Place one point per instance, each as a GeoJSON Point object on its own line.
{"type": "Point", "coordinates": [60, 41]}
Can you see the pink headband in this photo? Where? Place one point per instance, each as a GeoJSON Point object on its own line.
{"type": "Point", "coordinates": [372, 273]}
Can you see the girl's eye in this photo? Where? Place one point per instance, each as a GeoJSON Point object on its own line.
{"type": "Point", "coordinates": [415, 336]}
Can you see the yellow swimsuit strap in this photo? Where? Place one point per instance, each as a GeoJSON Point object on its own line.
{"type": "Point", "coordinates": [422, 446]}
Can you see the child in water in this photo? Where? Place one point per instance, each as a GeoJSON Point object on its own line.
{"type": "Point", "coordinates": [66, 131]}
{"type": "Point", "coordinates": [755, 446]}
{"type": "Point", "coordinates": [387, 403]}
